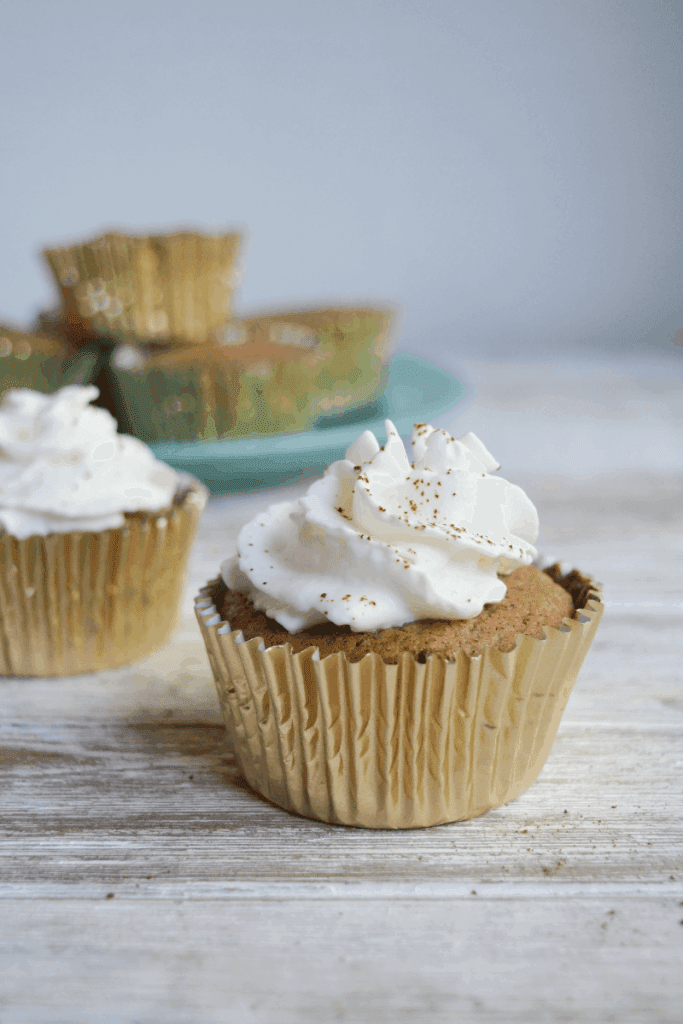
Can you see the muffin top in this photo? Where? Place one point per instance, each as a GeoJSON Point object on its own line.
{"type": "Point", "coordinates": [531, 602]}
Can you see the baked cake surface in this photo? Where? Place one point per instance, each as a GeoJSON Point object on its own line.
{"type": "Point", "coordinates": [533, 600]}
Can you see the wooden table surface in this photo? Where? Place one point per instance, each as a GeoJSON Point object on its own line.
{"type": "Point", "coordinates": [143, 882]}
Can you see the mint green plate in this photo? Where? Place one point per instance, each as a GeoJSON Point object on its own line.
{"type": "Point", "coordinates": [416, 392]}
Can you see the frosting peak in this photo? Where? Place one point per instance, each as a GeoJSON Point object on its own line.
{"type": "Point", "coordinates": [63, 466]}
{"type": "Point", "coordinates": [380, 541]}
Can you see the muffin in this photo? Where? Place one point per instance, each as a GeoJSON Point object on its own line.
{"type": "Point", "coordinates": [42, 363]}
{"type": "Point", "coordinates": [385, 653]}
{"type": "Point", "coordinates": [272, 373]}
{"type": "Point", "coordinates": [532, 600]}
{"type": "Point", "coordinates": [174, 288]}
{"type": "Point", "coordinates": [94, 538]}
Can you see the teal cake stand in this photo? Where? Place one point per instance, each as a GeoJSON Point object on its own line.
{"type": "Point", "coordinates": [416, 392]}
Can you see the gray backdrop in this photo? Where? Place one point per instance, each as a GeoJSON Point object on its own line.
{"type": "Point", "coordinates": [510, 171]}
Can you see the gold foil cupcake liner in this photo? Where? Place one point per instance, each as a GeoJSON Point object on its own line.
{"type": "Point", "coordinates": [42, 363]}
{"type": "Point", "coordinates": [270, 374]}
{"type": "Point", "coordinates": [84, 602]}
{"type": "Point", "coordinates": [409, 745]}
{"type": "Point", "coordinates": [352, 347]}
{"type": "Point", "coordinates": [172, 288]}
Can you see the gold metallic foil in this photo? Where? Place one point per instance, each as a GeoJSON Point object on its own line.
{"type": "Point", "coordinates": [266, 374]}
{"type": "Point", "coordinates": [395, 746]}
{"type": "Point", "coordinates": [170, 289]}
{"type": "Point", "coordinates": [83, 602]}
{"type": "Point", "coordinates": [42, 363]}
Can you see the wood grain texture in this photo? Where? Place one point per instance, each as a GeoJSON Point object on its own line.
{"type": "Point", "coordinates": [142, 881]}
{"type": "Point", "coordinates": [156, 803]}
{"type": "Point", "coordinates": [594, 960]}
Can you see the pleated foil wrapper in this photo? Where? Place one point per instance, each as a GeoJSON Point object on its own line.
{"type": "Point", "coordinates": [42, 363]}
{"type": "Point", "coordinates": [352, 347]}
{"type": "Point", "coordinates": [409, 745]}
{"type": "Point", "coordinates": [170, 288]}
{"type": "Point", "coordinates": [267, 374]}
{"type": "Point", "coordinates": [84, 602]}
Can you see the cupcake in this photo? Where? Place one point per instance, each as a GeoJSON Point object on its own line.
{"type": "Point", "coordinates": [385, 652]}
{"type": "Point", "coordinates": [94, 538]}
{"type": "Point", "coordinates": [42, 363]}
{"type": "Point", "coordinates": [267, 374]}
{"type": "Point", "coordinates": [174, 289]}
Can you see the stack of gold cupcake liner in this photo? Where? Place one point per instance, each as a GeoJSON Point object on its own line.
{"type": "Point", "coordinates": [173, 288]}
{"type": "Point", "coordinates": [394, 746]}
{"type": "Point", "coordinates": [203, 373]}
{"type": "Point", "coordinates": [84, 602]}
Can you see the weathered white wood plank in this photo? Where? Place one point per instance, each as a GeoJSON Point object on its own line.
{"type": "Point", "coordinates": [594, 960]}
{"type": "Point", "coordinates": [155, 802]}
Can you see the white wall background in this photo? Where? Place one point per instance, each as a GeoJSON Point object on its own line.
{"type": "Point", "coordinates": [510, 170]}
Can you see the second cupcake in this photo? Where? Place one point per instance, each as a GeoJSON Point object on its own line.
{"type": "Point", "coordinates": [94, 537]}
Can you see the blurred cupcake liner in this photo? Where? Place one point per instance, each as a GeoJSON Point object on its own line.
{"type": "Point", "coordinates": [42, 363]}
{"type": "Point", "coordinates": [268, 374]}
{"type": "Point", "coordinates": [353, 346]}
{"type": "Point", "coordinates": [84, 602]}
{"type": "Point", "coordinates": [376, 745]}
{"type": "Point", "coordinates": [171, 288]}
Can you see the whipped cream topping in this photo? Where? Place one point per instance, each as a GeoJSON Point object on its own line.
{"type": "Point", "coordinates": [64, 468]}
{"type": "Point", "coordinates": [379, 541]}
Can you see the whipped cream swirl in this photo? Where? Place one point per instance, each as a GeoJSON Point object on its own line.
{"type": "Point", "coordinates": [64, 468]}
{"type": "Point", "coordinates": [379, 541]}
